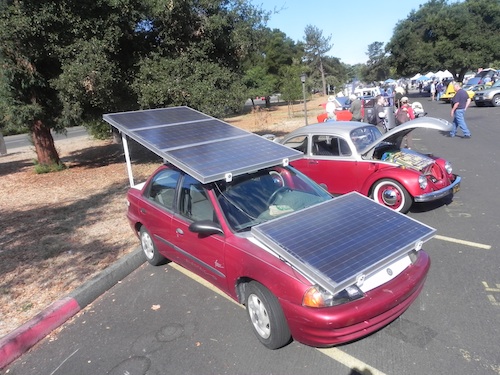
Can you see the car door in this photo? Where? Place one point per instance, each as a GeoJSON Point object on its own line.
{"type": "Point", "coordinates": [330, 161]}
{"type": "Point", "coordinates": [157, 210]}
{"type": "Point", "coordinates": [202, 254]}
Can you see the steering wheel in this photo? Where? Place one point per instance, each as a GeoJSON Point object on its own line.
{"type": "Point", "coordinates": [274, 195]}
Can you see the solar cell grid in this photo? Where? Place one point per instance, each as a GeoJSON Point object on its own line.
{"type": "Point", "coordinates": [342, 238]}
{"type": "Point", "coordinates": [203, 146]}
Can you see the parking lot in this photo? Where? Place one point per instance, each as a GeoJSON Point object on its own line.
{"type": "Point", "coordinates": [162, 321]}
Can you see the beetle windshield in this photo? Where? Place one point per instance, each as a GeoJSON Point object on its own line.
{"type": "Point", "coordinates": [362, 137]}
{"type": "Point", "coordinates": [254, 198]}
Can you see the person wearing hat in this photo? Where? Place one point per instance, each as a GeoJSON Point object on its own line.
{"type": "Point", "coordinates": [403, 114]}
{"type": "Point", "coordinates": [355, 108]}
{"type": "Point", "coordinates": [330, 108]}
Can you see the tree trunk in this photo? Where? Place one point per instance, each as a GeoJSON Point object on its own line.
{"type": "Point", "coordinates": [44, 144]}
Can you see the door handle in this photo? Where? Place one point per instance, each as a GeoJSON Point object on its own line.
{"type": "Point", "coordinates": [313, 162]}
{"type": "Point", "coordinates": [179, 231]}
{"type": "Point", "coordinates": [143, 211]}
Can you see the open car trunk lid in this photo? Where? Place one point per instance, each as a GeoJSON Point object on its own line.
{"type": "Point", "coordinates": [395, 135]}
{"type": "Point", "coordinates": [339, 242]}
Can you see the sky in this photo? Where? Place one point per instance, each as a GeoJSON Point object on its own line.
{"type": "Point", "coordinates": [352, 25]}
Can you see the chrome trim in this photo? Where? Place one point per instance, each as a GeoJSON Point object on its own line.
{"type": "Point", "coordinates": [438, 194]}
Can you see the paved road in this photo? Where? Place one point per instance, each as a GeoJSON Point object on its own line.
{"type": "Point", "coordinates": [22, 140]}
{"type": "Point", "coordinates": [160, 321]}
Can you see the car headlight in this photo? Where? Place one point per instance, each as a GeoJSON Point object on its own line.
{"type": "Point", "coordinates": [448, 168]}
{"type": "Point", "coordinates": [422, 181]}
{"type": "Point", "coordinates": [316, 296]}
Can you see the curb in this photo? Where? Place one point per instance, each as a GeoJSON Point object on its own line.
{"type": "Point", "coordinates": [26, 336]}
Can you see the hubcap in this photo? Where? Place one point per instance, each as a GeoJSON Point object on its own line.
{"type": "Point", "coordinates": [390, 196]}
{"type": "Point", "coordinates": [147, 246]}
{"type": "Point", "coordinates": [259, 316]}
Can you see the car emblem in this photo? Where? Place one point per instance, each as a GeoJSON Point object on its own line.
{"type": "Point", "coordinates": [389, 272]}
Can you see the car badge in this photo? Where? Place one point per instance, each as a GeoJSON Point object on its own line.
{"type": "Point", "coordinates": [389, 271]}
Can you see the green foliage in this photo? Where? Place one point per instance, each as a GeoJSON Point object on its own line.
{"type": "Point", "coordinates": [315, 48]}
{"type": "Point", "coordinates": [48, 168]}
{"type": "Point", "coordinates": [203, 85]}
{"type": "Point", "coordinates": [457, 36]}
{"type": "Point", "coordinates": [377, 68]}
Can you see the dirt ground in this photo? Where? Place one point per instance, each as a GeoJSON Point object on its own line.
{"type": "Point", "coordinates": [59, 230]}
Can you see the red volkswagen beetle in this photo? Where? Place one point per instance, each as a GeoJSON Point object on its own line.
{"type": "Point", "coordinates": [354, 156]}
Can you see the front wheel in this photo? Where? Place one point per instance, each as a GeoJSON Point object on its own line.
{"type": "Point", "coordinates": [496, 100]}
{"type": "Point", "coordinates": [267, 318]}
{"type": "Point", "coordinates": [392, 194]}
{"type": "Point", "coordinates": [149, 248]}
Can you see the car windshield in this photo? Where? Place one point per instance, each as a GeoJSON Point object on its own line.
{"type": "Point", "coordinates": [255, 198]}
{"type": "Point", "coordinates": [362, 137]}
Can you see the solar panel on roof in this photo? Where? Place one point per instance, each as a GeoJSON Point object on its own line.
{"type": "Point", "coordinates": [203, 146]}
{"type": "Point", "coordinates": [333, 243]}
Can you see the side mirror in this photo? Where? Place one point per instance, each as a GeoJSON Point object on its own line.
{"type": "Point", "coordinates": [205, 227]}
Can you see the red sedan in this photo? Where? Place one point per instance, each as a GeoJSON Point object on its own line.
{"type": "Point", "coordinates": [227, 206]}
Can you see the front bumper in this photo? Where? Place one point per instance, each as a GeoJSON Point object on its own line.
{"type": "Point", "coordinates": [345, 323]}
{"type": "Point", "coordinates": [441, 193]}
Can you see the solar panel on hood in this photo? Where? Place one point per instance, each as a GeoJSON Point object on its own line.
{"type": "Point", "coordinates": [203, 146]}
{"type": "Point", "coordinates": [336, 242]}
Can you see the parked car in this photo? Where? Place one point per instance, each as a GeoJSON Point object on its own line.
{"type": "Point", "coordinates": [352, 156]}
{"type": "Point", "coordinates": [488, 96]}
{"type": "Point", "coordinates": [471, 91]}
{"type": "Point", "coordinates": [227, 206]}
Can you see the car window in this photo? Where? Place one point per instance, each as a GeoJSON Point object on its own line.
{"type": "Point", "coordinates": [194, 203]}
{"type": "Point", "coordinates": [299, 143]}
{"type": "Point", "coordinates": [325, 145]}
{"type": "Point", "coordinates": [258, 197]}
{"type": "Point", "coordinates": [162, 187]}
{"type": "Point", "coordinates": [362, 137]}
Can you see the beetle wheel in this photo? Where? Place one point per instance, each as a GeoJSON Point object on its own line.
{"type": "Point", "coordinates": [392, 194]}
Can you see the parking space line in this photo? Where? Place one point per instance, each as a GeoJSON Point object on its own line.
{"type": "Point", "coordinates": [350, 361]}
{"type": "Point", "coordinates": [334, 353]}
{"type": "Point", "coordinates": [463, 242]}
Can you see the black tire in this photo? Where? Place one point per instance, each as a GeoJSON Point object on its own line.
{"type": "Point", "coordinates": [392, 194]}
{"type": "Point", "coordinates": [496, 100]}
{"type": "Point", "coordinates": [149, 248]}
{"type": "Point", "coordinates": [266, 316]}
{"type": "Point", "coordinates": [480, 104]}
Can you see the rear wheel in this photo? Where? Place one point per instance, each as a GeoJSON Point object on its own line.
{"type": "Point", "coordinates": [267, 318]}
{"type": "Point", "coordinates": [392, 194]}
{"type": "Point", "coordinates": [149, 248]}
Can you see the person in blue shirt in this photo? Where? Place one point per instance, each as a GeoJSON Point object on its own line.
{"type": "Point", "coordinates": [459, 104]}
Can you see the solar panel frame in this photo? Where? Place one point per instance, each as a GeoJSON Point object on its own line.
{"type": "Point", "coordinates": [205, 147]}
{"type": "Point", "coordinates": [337, 242]}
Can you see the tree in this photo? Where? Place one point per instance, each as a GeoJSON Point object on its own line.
{"type": "Point", "coordinates": [60, 60]}
{"type": "Point", "coordinates": [316, 45]}
{"type": "Point", "coordinates": [267, 68]}
{"type": "Point", "coordinates": [436, 37]}
{"type": "Point", "coordinates": [196, 61]}
{"type": "Point", "coordinates": [377, 67]}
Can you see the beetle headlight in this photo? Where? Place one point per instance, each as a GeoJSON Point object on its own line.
{"type": "Point", "coordinates": [422, 181]}
{"type": "Point", "coordinates": [316, 296]}
{"type": "Point", "coordinates": [448, 168]}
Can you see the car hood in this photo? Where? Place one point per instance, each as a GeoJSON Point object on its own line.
{"type": "Point", "coordinates": [331, 246]}
{"type": "Point", "coordinates": [395, 135]}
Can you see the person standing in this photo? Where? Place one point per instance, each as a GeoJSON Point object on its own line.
{"type": "Point", "coordinates": [330, 108]}
{"type": "Point", "coordinates": [355, 108]}
{"type": "Point", "coordinates": [379, 108]}
{"type": "Point", "coordinates": [403, 114]}
{"type": "Point", "coordinates": [433, 90]}
{"type": "Point", "coordinates": [459, 104]}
